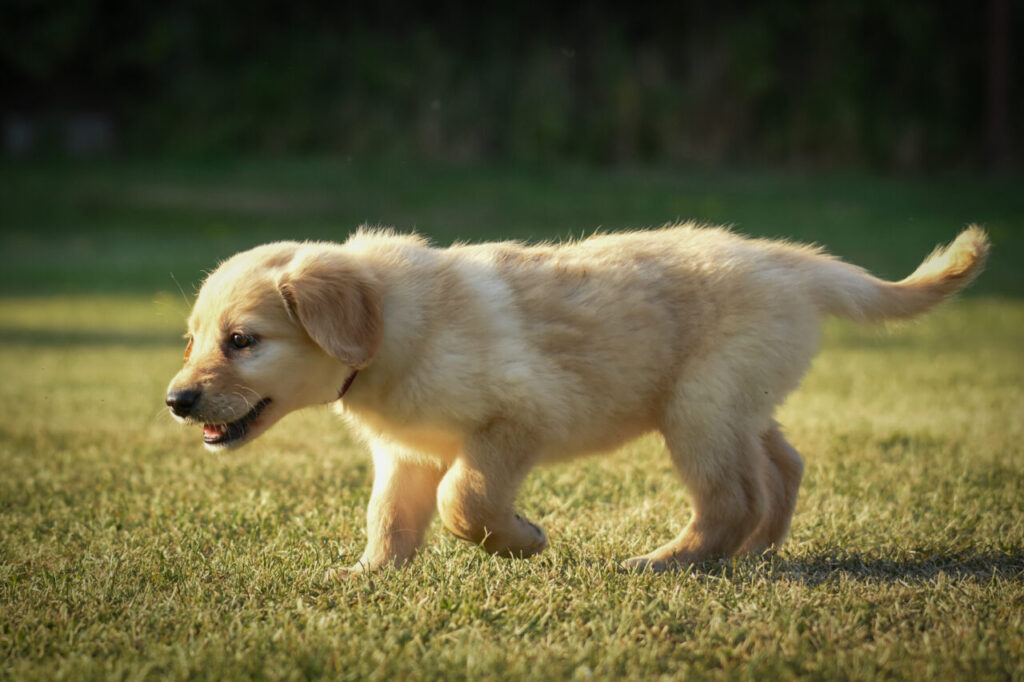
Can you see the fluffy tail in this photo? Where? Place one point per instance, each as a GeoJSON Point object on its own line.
{"type": "Point", "coordinates": [849, 291]}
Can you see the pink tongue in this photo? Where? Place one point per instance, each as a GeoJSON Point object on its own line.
{"type": "Point", "coordinates": [214, 430]}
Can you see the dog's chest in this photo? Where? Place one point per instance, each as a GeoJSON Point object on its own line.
{"type": "Point", "coordinates": [444, 444]}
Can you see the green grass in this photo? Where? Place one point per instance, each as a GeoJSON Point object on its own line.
{"type": "Point", "coordinates": [128, 552]}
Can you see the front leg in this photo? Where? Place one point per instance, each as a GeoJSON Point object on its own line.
{"type": "Point", "coordinates": [401, 506]}
{"type": "Point", "coordinates": [476, 496]}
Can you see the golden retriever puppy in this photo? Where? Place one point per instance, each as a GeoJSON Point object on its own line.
{"type": "Point", "coordinates": [464, 367]}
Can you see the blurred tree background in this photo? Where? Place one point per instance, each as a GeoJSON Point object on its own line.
{"type": "Point", "coordinates": [906, 85]}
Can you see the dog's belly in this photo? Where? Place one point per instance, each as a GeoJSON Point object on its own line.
{"type": "Point", "coordinates": [586, 436]}
{"type": "Point", "coordinates": [604, 438]}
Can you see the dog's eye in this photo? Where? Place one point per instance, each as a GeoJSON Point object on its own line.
{"type": "Point", "coordinates": [242, 340]}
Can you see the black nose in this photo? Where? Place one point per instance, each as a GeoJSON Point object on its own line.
{"type": "Point", "coordinates": [182, 402]}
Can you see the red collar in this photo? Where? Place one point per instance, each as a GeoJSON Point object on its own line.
{"type": "Point", "coordinates": [347, 384]}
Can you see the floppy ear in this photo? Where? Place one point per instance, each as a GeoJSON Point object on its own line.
{"type": "Point", "coordinates": [337, 303]}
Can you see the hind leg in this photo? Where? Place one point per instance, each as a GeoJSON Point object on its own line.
{"type": "Point", "coordinates": [782, 474]}
{"type": "Point", "coordinates": [717, 422]}
{"type": "Point", "coordinates": [724, 472]}
{"type": "Point", "coordinates": [718, 429]}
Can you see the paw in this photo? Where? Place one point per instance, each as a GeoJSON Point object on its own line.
{"type": "Point", "coordinates": [539, 545]}
{"type": "Point", "coordinates": [647, 564]}
{"type": "Point", "coordinates": [520, 541]}
{"type": "Point", "coordinates": [531, 541]}
{"type": "Point", "coordinates": [540, 538]}
{"type": "Point", "coordinates": [341, 574]}
{"type": "Point", "coordinates": [639, 564]}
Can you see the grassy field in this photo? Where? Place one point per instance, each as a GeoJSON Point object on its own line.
{"type": "Point", "coordinates": [128, 552]}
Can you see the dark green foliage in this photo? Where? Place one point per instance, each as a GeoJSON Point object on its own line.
{"type": "Point", "coordinates": [885, 84]}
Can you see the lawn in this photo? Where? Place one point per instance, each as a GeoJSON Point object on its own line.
{"type": "Point", "coordinates": [128, 552]}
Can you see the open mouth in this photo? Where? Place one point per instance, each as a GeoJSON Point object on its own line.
{"type": "Point", "coordinates": [222, 434]}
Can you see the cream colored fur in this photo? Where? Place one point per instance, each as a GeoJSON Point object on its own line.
{"type": "Point", "coordinates": [476, 363]}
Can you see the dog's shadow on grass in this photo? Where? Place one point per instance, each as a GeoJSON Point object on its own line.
{"type": "Point", "coordinates": [909, 566]}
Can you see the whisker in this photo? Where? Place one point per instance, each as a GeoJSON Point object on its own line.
{"type": "Point", "coordinates": [160, 413]}
{"type": "Point", "coordinates": [178, 284]}
{"type": "Point", "coordinates": [256, 396]}
{"type": "Point", "coordinates": [248, 403]}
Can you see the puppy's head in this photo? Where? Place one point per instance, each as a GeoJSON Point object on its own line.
{"type": "Point", "coordinates": [274, 329]}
